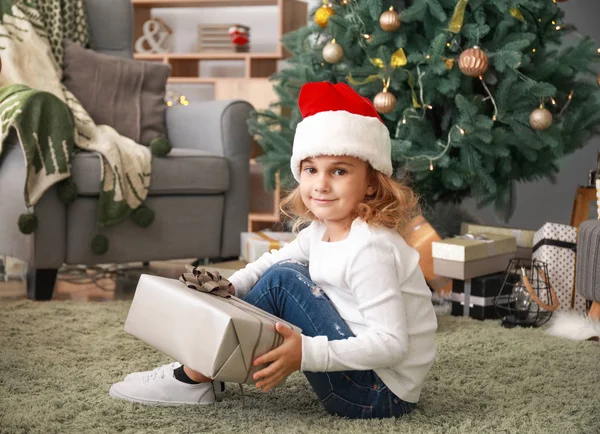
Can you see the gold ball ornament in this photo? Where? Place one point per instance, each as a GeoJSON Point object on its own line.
{"type": "Point", "coordinates": [333, 52]}
{"type": "Point", "coordinates": [540, 118]}
{"type": "Point", "coordinates": [389, 20]}
{"type": "Point", "coordinates": [473, 62]}
{"type": "Point", "coordinates": [384, 102]}
{"type": "Point", "coordinates": [322, 15]}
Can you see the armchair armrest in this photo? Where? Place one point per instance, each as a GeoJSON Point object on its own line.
{"type": "Point", "coordinates": [219, 127]}
{"type": "Point", "coordinates": [46, 247]}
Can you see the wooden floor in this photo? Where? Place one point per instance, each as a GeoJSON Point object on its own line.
{"type": "Point", "coordinates": [106, 282]}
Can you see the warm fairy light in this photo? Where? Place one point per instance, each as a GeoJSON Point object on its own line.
{"type": "Point", "coordinates": [448, 44]}
{"type": "Point", "coordinates": [430, 165]}
{"type": "Point", "coordinates": [429, 106]}
{"type": "Point", "coordinates": [553, 22]}
{"type": "Point", "coordinates": [366, 36]}
{"type": "Point", "coordinates": [571, 95]}
{"type": "Point", "coordinates": [403, 120]}
{"type": "Point", "coordinates": [540, 20]}
{"type": "Point", "coordinates": [169, 103]}
{"type": "Point", "coordinates": [461, 130]}
{"type": "Point", "coordinates": [553, 101]}
{"type": "Point", "coordinates": [427, 57]}
{"type": "Point", "coordinates": [557, 27]}
{"type": "Point", "coordinates": [533, 50]}
{"type": "Point", "coordinates": [494, 118]}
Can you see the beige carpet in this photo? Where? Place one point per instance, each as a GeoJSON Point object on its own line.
{"type": "Point", "coordinates": [58, 360]}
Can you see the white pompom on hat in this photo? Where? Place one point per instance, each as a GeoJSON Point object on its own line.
{"type": "Point", "coordinates": [336, 120]}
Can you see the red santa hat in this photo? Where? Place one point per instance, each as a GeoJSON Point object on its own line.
{"type": "Point", "coordinates": [338, 121]}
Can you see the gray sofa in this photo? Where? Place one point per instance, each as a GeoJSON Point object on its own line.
{"type": "Point", "coordinates": [199, 193]}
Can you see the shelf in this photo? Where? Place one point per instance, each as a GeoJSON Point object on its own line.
{"type": "Point", "coordinates": [201, 3]}
{"type": "Point", "coordinates": [165, 57]}
{"type": "Point", "coordinates": [263, 217]}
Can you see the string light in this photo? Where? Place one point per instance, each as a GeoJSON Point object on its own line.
{"type": "Point", "coordinates": [557, 27]}
{"type": "Point", "coordinates": [533, 50]}
{"type": "Point", "coordinates": [427, 57]}
{"type": "Point", "coordinates": [367, 37]}
{"type": "Point", "coordinates": [174, 98]}
{"type": "Point", "coordinates": [462, 132]}
{"type": "Point", "coordinates": [430, 164]}
{"type": "Point", "coordinates": [553, 101]}
{"type": "Point", "coordinates": [404, 120]}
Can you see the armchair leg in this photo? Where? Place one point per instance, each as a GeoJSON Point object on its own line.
{"type": "Point", "coordinates": [40, 283]}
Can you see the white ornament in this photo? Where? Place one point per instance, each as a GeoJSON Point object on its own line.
{"type": "Point", "coordinates": [155, 33]}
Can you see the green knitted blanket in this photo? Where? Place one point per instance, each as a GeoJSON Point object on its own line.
{"type": "Point", "coordinates": [49, 121]}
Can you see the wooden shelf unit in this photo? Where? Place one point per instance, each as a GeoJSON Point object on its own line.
{"type": "Point", "coordinates": [253, 86]}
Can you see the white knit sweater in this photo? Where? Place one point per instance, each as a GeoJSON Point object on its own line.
{"type": "Point", "coordinates": [374, 281]}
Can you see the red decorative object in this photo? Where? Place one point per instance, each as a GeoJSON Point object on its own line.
{"type": "Point", "coordinates": [240, 35]}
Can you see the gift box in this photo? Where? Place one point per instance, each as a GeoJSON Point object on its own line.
{"type": "Point", "coordinates": [470, 269]}
{"type": "Point", "coordinates": [256, 244]}
{"type": "Point", "coordinates": [468, 256]}
{"type": "Point", "coordinates": [419, 234]}
{"type": "Point", "coordinates": [524, 238]}
{"type": "Point", "coordinates": [555, 244]}
{"type": "Point", "coordinates": [218, 336]}
{"type": "Point", "coordinates": [470, 247]}
{"type": "Point", "coordinates": [477, 297]}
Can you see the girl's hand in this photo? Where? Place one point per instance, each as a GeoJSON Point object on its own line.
{"type": "Point", "coordinates": [285, 359]}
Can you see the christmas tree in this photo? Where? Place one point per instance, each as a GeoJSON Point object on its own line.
{"type": "Point", "coordinates": [477, 95]}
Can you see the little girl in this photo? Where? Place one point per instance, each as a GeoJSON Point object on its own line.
{"type": "Point", "coordinates": [349, 280]}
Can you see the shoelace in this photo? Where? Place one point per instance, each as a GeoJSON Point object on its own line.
{"type": "Point", "coordinates": [159, 371]}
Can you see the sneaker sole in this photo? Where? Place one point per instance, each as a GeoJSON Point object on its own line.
{"type": "Point", "coordinates": [117, 395]}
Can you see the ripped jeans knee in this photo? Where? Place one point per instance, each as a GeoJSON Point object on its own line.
{"type": "Point", "coordinates": [296, 270]}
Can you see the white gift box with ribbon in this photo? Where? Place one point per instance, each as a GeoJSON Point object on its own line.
{"type": "Point", "coordinates": [256, 244]}
{"type": "Point", "coordinates": [219, 337]}
{"type": "Point", "coordinates": [524, 238]}
{"type": "Point", "coordinates": [556, 244]}
{"type": "Point", "coordinates": [472, 255]}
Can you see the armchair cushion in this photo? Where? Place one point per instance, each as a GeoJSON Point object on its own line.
{"type": "Point", "coordinates": [126, 94]}
{"type": "Point", "coordinates": [183, 171]}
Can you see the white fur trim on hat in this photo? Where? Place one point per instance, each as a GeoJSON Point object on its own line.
{"type": "Point", "coordinates": [342, 133]}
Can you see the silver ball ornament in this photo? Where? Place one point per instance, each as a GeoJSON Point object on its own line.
{"type": "Point", "coordinates": [384, 102]}
{"type": "Point", "coordinates": [333, 52]}
{"type": "Point", "coordinates": [540, 118]}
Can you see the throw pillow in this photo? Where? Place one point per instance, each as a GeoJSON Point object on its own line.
{"type": "Point", "coordinates": [126, 94]}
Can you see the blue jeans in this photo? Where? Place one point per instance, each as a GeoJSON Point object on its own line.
{"type": "Point", "coordinates": [286, 290]}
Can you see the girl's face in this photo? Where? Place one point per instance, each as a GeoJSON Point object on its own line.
{"type": "Point", "coordinates": [331, 187]}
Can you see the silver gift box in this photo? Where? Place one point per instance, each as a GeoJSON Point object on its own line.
{"type": "Point", "coordinates": [218, 337]}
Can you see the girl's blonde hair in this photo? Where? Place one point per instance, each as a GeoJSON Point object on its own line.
{"type": "Point", "coordinates": [392, 205]}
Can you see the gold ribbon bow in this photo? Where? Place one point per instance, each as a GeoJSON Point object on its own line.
{"type": "Point", "coordinates": [205, 281]}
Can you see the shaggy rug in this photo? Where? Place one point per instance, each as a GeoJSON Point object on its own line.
{"type": "Point", "coordinates": [58, 360]}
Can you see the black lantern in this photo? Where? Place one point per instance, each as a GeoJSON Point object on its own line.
{"type": "Point", "coordinates": [526, 298]}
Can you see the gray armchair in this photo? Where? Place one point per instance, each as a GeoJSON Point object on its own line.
{"type": "Point", "coordinates": [199, 192]}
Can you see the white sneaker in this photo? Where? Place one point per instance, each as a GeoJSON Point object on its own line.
{"type": "Point", "coordinates": [160, 387]}
{"type": "Point", "coordinates": [219, 386]}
